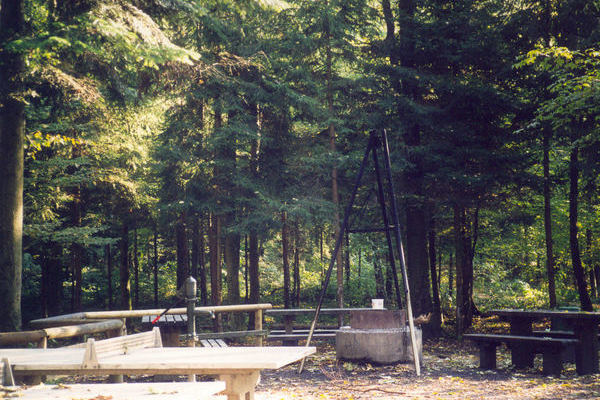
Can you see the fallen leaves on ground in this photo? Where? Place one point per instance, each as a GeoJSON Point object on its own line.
{"type": "Point", "coordinates": [449, 371]}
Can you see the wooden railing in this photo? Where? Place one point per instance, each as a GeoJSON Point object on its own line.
{"type": "Point", "coordinates": [113, 327]}
{"type": "Point", "coordinates": [113, 323]}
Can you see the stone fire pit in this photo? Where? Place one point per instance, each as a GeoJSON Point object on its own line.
{"type": "Point", "coordinates": [378, 336]}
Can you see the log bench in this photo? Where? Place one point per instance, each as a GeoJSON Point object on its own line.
{"type": "Point", "coordinates": [550, 348]}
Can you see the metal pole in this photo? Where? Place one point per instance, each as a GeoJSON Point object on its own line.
{"type": "Point", "coordinates": [388, 237]}
{"type": "Point", "coordinates": [411, 323]}
{"type": "Point", "coordinates": [190, 299]}
{"type": "Point", "coordinates": [337, 246]}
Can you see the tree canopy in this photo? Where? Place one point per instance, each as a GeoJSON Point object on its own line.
{"type": "Point", "coordinates": [145, 141]}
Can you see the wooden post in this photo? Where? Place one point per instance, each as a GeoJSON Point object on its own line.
{"type": "Point", "coordinates": [258, 326]}
{"type": "Point", "coordinates": [43, 343]}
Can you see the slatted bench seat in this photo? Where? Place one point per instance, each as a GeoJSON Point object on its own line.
{"type": "Point", "coordinates": [550, 348]}
{"type": "Point", "coordinates": [213, 343]}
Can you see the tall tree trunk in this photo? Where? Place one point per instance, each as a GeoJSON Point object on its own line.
{"type": "Point", "coordinates": [286, 263]}
{"type": "Point", "coordinates": [215, 266]}
{"type": "Point", "coordinates": [464, 270]}
{"type": "Point", "coordinates": [253, 271]}
{"type": "Point", "coordinates": [253, 253]}
{"type": "Point", "coordinates": [125, 285]}
{"type": "Point", "coordinates": [202, 270]}
{"type": "Point", "coordinates": [155, 265]}
{"type": "Point", "coordinates": [379, 284]}
{"type": "Point", "coordinates": [335, 198]}
{"type": "Point", "coordinates": [416, 231]}
{"type": "Point", "coordinates": [589, 259]}
{"type": "Point", "coordinates": [584, 298]}
{"type": "Point", "coordinates": [347, 258]}
{"type": "Point", "coordinates": [183, 253]}
{"type": "Point", "coordinates": [52, 280]}
{"type": "Point", "coordinates": [232, 262]}
{"type": "Point", "coordinates": [109, 287]}
{"type": "Point", "coordinates": [246, 282]}
{"type": "Point", "coordinates": [597, 277]}
{"type": "Point", "coordinates": [548, 219]}
{"type": "Point", "coordinates": [389, 282]}
{"type": "Point", "coordinates": [195, 258]}
{"type": "Point", "coordinates": [12, 132]}
{"type": "Point", "coordinates": [296, 265]}
{"type": "Point", "coordinates": [416, 234]}
{"type": "Point", "coordinates": [136, 270]}
{"type": "Point", "coordinates": [436, 316]}
{"type": "Point", "coordinates": [450, 275]}
{"type": "Point", "coordinates": [76, 251]}
{"type": "Point", "coordinates": [359, 272]}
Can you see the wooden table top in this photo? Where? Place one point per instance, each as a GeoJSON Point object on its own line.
{"type": "Point", "coordinates": [160, 359]}
{"type": "Point", "coordinates": [538, 314]}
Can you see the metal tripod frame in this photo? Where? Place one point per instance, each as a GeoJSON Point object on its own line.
{"type": "Point", "coordinates": [375, 142]}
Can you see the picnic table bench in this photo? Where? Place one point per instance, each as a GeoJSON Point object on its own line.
{"type": "Point", "coordinates": [171, 327]}
{"type": "Point", "coordinates": [290, 335]}
{"type": "Point", "coordinates": [551, 348]}
{"type": "Point", "coordinates": [555, 346]}
{"type": "Point", "coordinates": [585, 331]}
{"type": "Point", "coordinates": [238, 367]}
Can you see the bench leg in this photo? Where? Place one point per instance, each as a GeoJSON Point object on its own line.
{"type": "Point", "coordinates": [7, 378]}
{"type": "Point", "coordinates": [552, 363]}
{"type": "Point", "coordinates": [522, 356]}
{"type": "Point", "coordinates": [487, 355]}
{"type": "Point", "coordinates": [240, 386]}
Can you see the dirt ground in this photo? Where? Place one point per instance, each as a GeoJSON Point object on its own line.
{"type": "Point", "coordinates": [449, 371]}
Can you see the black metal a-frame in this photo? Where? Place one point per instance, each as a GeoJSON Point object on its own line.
{"type": "Point", "coordinates": [376, 142]}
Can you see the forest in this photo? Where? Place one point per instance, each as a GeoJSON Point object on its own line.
{"type": "Point", "coordinates": [144, 141]}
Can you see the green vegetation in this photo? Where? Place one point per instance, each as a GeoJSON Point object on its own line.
{"type": "Point", "coordinates": [221, 139]}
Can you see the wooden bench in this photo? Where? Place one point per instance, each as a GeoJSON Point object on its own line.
{"type": "Point", "coordinates": [550, 348]}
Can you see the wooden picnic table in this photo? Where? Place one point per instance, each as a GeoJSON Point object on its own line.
{"type": "Point", "coordinates": [239, 367]}
{"type": "Point", "coordinates": [585, 331]}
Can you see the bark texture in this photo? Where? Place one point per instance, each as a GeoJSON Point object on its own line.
{"type": "Point", "coordinates": [12, 131]}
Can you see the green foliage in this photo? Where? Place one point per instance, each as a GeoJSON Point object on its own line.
{"type": "Point", "coordinates": [141, 115]}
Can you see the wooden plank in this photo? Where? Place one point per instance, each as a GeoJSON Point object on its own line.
{"type": "Point", "coordinates": [169, 360]}
{"type": "Point", "coordinates": [532, 340]}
